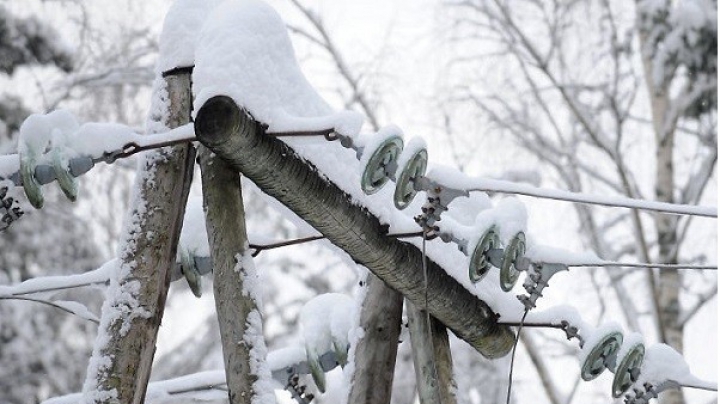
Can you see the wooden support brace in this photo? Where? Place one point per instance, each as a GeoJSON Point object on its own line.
{"type": "Point", "coordinates": [431, 357]}
{"type": "Point", "coordinates": [276, 169]}
{"type": "Point", "coordinates": [376, 352]}
{"type": "Point", "coordinates": [225, 220]}
{"type": "Point", "coordinates": [122, 359]}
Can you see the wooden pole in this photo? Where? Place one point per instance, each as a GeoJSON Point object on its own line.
{"type": "Point", "coordinates": [230, 132]}
{"type": "Point", "coordinates": [123, 354]}
{"type": "Point", "coordinates": [376, 352]}
{"type": "Point", "coordinates": [225, 222]}
{"type": "Point", "coordinates": [431, 357]}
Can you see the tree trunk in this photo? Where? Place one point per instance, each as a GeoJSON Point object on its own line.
{"type": "Point", "coordinates": [669, 284]}
{"type": "Point", "coordinates": [122, 357]}
{"type": "Point", "coordinates": [234, 276]}
{"type": "Point", "coordinates": [376, 352]}
{"type": "Point", "coordinates": [229, 132]}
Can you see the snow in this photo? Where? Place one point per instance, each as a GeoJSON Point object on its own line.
{"type": "Point", "coordinates": [325, 319]}
{"type": "Point", "coordinates": [511, 216]}
{"type": "Point", "coordinates": [180, 32]}
{"type": "Point", "coordinates": [35, 133]}
{"type": "Point", "coordinates": [263, 386]}
{"type": "Point", "coordinates": [121, 306]}
{"type": "Point", "coordinates": [412, 147]}
{"type": "Point", "coordinates": [197, 386]}
{"type": "Point", "coordinates": [193, 236]}
{"type": "Point", "coordinates": [663, 363]}
{"type": "Point", "coordinates": [558, 314]}
{"type": "Point", "coordinates": [285, 357]}
{"type": "Point", "coordinates": [59, 130]}
{"type": "Point", "coordinates": [50, 283]}
{"type": "Point", "coordinates": [592, 337]}
{"type": "Point", "coordinates": [463, 182]}
{"type": "Point", "coordinates": [465, 209]}
{"type": "Point", "coordinates": [629, 341]}
{"type": "Point", "coordinates": [244, 52]}
{"type": "Point", "coordinates": [9, 165]}
{"type": "Point", "coordinates": [77, 309]}
{"type": "Point", "coordinates": [371, 142]}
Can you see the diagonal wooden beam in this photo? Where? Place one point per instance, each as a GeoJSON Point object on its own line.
{"type": "Point", "coordinates": [231, 133]}
{"type": "Point", "coordinates": [124, 350]}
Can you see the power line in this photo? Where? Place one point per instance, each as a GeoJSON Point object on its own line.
{"type": "Point", "coordinates": [644, 265]}
{"type": "Point", "coordinates": [508, 187]}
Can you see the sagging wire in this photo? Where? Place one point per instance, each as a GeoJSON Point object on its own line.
{"type": "Point", "coordinates": [262, 247]}
{"type": "Point", "coordinates": [512, 356]}
{"type": "Point", "coordinates": [51, 304]}
{"type": "Point", "coordinates": [271, 246]}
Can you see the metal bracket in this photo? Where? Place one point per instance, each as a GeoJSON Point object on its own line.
{"type": "Point", "coordinates": [643, 395]}
{"type": "Point", "coordinates": [8, 212]}
{"type": "Point", "coordinates": [538, 276]}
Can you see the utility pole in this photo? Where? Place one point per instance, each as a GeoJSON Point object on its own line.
{"type": "Point", "coordinates": [235, 301]}
{"type": "Point", "coordinates": [123, 354]}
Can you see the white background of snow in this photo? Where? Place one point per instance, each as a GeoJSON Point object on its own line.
{"type": "Point", "coordinates": [379, 12]}
{"type": "Point", "coordinates": [214, 77]}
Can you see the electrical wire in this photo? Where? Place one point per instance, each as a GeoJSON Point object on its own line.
{"type": "Point", "coordinates": [507, 187]}
{"type": "Point", "coordinates": [643, 265]}
{"type": "Point", "coordinates": [262, 247]}
{"type": "Point", "coordinates": [512, 357]}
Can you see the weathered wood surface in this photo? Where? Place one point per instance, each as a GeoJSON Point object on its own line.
{"type": "Point", "coordinates": [149, 254]}
{"type": "Point", "coordinates": [281, 173]}
{"type": "Point", "coordinates": [431, 357]}
{"type": "Point", "coordinates": [225, 220]}
{"type": "Point", "coordinates": [376, 352]}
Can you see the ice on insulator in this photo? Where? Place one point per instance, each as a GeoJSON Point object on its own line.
{"type": "Point", "coordinates": [510, 216]}
{"type": "Point", "coordinates": [284, 357]}
{"type": "Point", "coordinates": [180, 32]}
{"type": "Point", "coordinates": [372, 139]}
{"type": "Point", "coordinates": [412, 147]}
{"type": "Point", "coordinates": [663, 363]}
{"type": "Point", "coordinates": [244, 52]}
{"type": "Point", "coordinates": [628, 363]}
{"type": "Point", "coordinates": [629, 341]}
{"type": "Point", "coordinates": [378, 160]}
{"type": "Point", "coordinates": [318, 318]}
{"type": "Point", "coordinates": [591, 336]}
{"type": "Point", "coordinates": [35, 135]}
{"type": "Point", "coordinates": [323, 319]}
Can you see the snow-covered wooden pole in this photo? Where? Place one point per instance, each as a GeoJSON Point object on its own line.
{"type": "Point", "coordinates": [431, 357]}
{"type": "Point", "coordinates": [235, 280]}
{"type": "Point", "coordinates": [376, 352]}
{"type": "Point", "coordinates": [229, 132]}
{"type": "Point", "coordinates": [119, 368]}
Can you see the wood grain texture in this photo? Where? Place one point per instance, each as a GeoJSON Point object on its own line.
{"type": "Point", "coordinates": [276, 169]}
